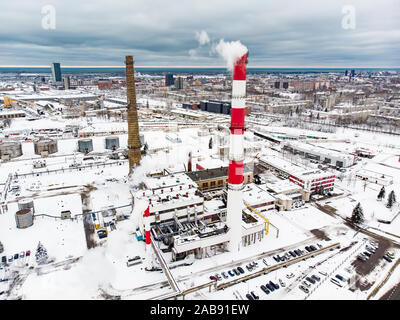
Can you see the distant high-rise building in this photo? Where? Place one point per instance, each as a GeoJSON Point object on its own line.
{"type": "Point", "coordinates": [285, 85]}
{"type": "Point", "coordinates": [56, 72]}
{"type": "Point", "coordinates": [67, 83]}
{"type": "Point", "coordinates": [346, 72]}
{"type": "Point", "coordinates": [169, 80]}
{"type": "Point", "coordinates": [353, 72]}
{"type": "Point", "coordinates": [179, 83]}
{"type": "Point", "coordinates": [277, 84]}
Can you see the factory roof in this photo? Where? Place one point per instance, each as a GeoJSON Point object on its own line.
{"type": "Point", "coordinates": [313, 149]}
{"type": "Point", "coordinates": [254, 195]}
{"type": "Point", "coordinates": [213, 173]}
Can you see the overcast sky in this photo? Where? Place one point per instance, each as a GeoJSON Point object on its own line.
{"type": "Point", "coordinates": [169, 32]}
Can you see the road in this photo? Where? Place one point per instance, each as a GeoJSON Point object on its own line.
{"type": "Point", "coordinates": [392, 294]}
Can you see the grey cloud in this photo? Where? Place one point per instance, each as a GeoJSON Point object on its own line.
{"type": "Point", "coordinates": [282, 33]}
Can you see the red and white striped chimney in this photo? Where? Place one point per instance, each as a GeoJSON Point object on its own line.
{"type": "Point", "coordinates": [148, 238]}
{"type": "Point", "coordinates": [236, 154]}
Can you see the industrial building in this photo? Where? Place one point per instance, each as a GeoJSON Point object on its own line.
{"type": "Point", "coordinates": [311, 180]}
{"type": "Point", "coordinates": [9, 150]}
{"type": "Point", "coordinates": [44, 147]}
{"type": "Point", "coordinates": [374, 177]}
{"type": "Point", "coordinates": [327, 156]}
{"type": "Point", "coordinates": [217, 178]}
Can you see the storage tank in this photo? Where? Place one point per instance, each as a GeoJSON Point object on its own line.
{"type": "Point", "coordinates": [45, 146]}
{"type": "Point", "coordinates": [10, 150]}
{"type": "Point", "coordinates": [85, 145]}
{"type": "Point", "coordinates": [112, 143]}
{"type": "Point", "coordinates": [26, 203]}
{"type": "Point", "coordinates": [24, 218]}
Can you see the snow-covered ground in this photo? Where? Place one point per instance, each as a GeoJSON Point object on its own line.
{"type": "Point", "coordinates": [103, 270]}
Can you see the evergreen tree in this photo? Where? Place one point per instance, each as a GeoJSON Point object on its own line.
{"type": "Point", "coordinates": [41, 254]}
{"type": "Point", "coordinates": [358, 215]}
{"type": "Point", "coordinates": [391, 199]}
{"type": "Point", "coordinates": [210, 144]}
{"type": "Point", "coordinates": [382, 193]}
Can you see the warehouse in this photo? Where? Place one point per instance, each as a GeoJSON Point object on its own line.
{"type": "Point", "coordinates": [327, 156]}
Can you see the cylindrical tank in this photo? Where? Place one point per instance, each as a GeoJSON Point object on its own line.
{"type": "Point", "coordinates": [24, 218]}
{"type": "Point", "coordinates": [45, 145]}
{"type": "Point", "coordinates": [85, 145]}
{"type": "Point", "coordinates": [112, 143]}
{"type": "Point", "coordinates": [11, 149]}
{"type": "Point", "coordinates": [26, 203]}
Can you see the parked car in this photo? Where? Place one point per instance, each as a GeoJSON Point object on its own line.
{"type": "Point", "coordinates": [240, 269]}
{"type": "Point", "coordinates": [276, 258]}
{"type": "Point", "coordinates": [231, 273]}
{"type": "Point", "coordinates": [264, 288]}
{"type": "Point", "coordinates": [224, 275]}
{"type": "Point", "coordinates": [22, 254]}
{"type": "Point", "coordinates": [249, 296]}
{"type": "Point", "coordinates": [265, 262]}
{"type": "Point", "coordinates": [298, 252]}
{"type": "Point", "coordinates": [256, 297]}
{"type": "Point", "coordinates": [371, 250]}
{"type": "Point", "coordinates": [274, 285]}
{"type": "Point", "coordinates": [362, 257]}
{"type": "Point", "coordinates": [316, 278]}
{"type": "Point", "coordinates": [306, 284]}
{"type": "Point", "coordinates": [28, 253]}
{"type": "Point", "coordinates": [304, 289]}
{"type": "Point", "coordinates": [366, 253]}
{"type": "Point", "coordinates": [270, 288]}
{"type": "Point", "coordinates": [387, 258]}
{"type": "Point", "coordinates": [16, 256]}
{"type": "Point", "coordinates": [292, 254]}
{"type": "Point", "coordinates": [340, 278]}
{"type": "Point", "coordinates": [283, 284]}
{"type": "Point", "coordinates": [102, 234]}
{"type": "Point", "coordinates": [4, 259]}
{"type": "Point", "coordinates": [313, 248]}
{"type": "Point", "coordinates": [11, 258]}
{"type": "Point", "coordinates": [311, 280]}
{"type": "Point", "coordinates": [219, 278]}
{"type": "Point", "coordinates": [308, 249]}
{"type": "Point", "coordinates": [390, 254]}
{"type": "Point", "coordinates": [248, 267]}
{"type": "Point", "coordinates": [214, 278]}
{"type": "Point", "coordinates": [333, 280]}
{"type": "Point", "coordinates": [236, 272]}
{"type": "Point", "coordinates": [290, 275]}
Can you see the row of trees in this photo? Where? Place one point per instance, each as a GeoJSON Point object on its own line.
{"type": "Point", "coordinates": [391, 198]}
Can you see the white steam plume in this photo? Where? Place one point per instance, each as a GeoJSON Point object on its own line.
{"type": "Point", "coordinates": [202, 37]}
{"type": "Point", "coordinates": [230, 51]}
